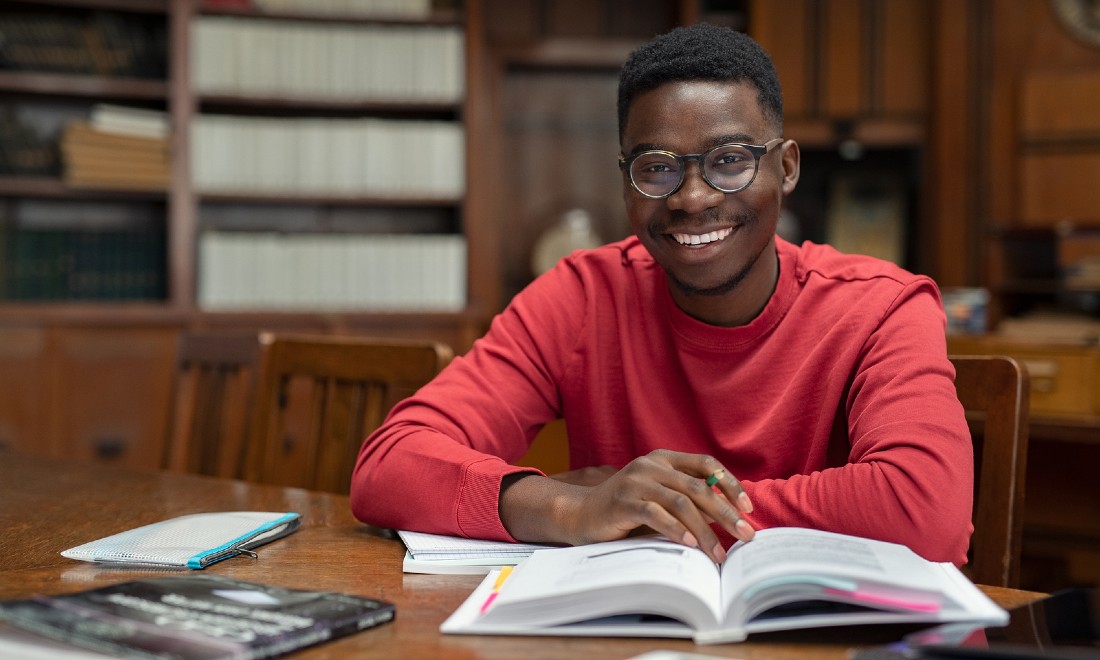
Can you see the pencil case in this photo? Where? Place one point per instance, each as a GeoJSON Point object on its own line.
{"type": "Point", "coordinates": [194, 541]}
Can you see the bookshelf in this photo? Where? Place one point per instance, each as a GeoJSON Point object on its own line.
{"type": "Point", "coordinates": [88, 374]}
{"type": "Point", "coordinates": [296, 130]}
{"type": "Point", "coordinates": [60, 241]}
{"type": "Point", "coordinates": [347, 194]}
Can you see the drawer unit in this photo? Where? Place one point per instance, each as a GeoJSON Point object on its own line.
{"type": "Point", "coordinates": [1064, 379]}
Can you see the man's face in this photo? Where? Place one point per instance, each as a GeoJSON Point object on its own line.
{"type": "Point", "coordinates": [725, 281]}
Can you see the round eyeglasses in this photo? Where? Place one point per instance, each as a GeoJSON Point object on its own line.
{"type": "Point", "coordinates": [728, 167]}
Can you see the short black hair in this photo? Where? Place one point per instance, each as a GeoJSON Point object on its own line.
{"type": "Point", "coordinates": [701, 52]}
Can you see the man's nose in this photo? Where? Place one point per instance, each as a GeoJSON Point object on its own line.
{"type": "Point", "coordinates": [695, 194]}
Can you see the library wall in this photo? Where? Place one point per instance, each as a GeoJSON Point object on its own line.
{"type": "Point", "coordinates": [174, 165]}
{"type": "Point", "coordinates": [198, 155]}
{"type": "Point", "coordinates": [1029, 163]}
{"type": "Point", "coordinates": [297, 166]}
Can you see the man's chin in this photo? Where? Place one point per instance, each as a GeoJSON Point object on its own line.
{"type": "Point", "coordinates": [703, 289]}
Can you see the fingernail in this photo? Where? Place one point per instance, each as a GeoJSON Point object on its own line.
{"type": "Point", "coordinates": [719, 553]}
{"type": "Point", "coordinates": [744, 530]}
{"type": "Point", "coordinates": [689, 540]}
{"type": "Point", "coordinates": [744, 503]}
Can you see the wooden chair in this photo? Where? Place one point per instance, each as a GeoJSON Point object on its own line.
{"type": "Point", "coordinates": [215, 383]}
{"type": "Point", "coordinates": [319, 397]}
{"type": "Point", "coordinates": [994, 392]}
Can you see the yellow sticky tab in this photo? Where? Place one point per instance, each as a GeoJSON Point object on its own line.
{"type": "Point", "coordinates": [504, 573]}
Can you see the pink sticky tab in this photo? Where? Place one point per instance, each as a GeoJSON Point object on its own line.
{"type": "Point", "coordinates": [890, 601]}
{"type": "Point", "coordinates": [488, 602]}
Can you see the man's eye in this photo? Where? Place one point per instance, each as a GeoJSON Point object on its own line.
{"type": "Point", "coordinates": [729, 159]}
{"type": "Point", "coordinates": [655, 164]}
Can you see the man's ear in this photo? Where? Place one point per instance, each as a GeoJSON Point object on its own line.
{"type": "Point", "coordinates": [791, 165]}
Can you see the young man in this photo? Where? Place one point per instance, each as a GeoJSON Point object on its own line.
{"type": "Point", "coordinates": [714, 379]}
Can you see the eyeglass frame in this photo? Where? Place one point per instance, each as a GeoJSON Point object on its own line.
{"type": "Point", "coordinates": [757, 150]}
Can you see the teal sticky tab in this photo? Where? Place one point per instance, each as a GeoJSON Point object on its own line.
{"type": "Point", "coordinates": [816, 580]}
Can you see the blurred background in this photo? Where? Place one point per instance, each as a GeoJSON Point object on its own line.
{"type": "Point", "coordinates": [404, 167]}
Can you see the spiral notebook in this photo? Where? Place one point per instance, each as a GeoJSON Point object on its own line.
{"type": "Point", "coordinates": [437, 553]}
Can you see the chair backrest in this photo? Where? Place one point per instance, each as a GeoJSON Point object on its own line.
{"type": "Point", "coordinates": [212, 407]}
{"type": "Point", "coordinates": [994, 392]}
{"type": "Point", "coordinates": [319, 397]}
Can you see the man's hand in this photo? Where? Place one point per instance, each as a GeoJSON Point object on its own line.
{"type": "Point", "coordinates": [589, 476]}
{"type": "Point", "coordinates": [665, 491]}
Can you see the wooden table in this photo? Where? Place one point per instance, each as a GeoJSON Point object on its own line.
{"type": "Point", "coordinates": [47, 506]}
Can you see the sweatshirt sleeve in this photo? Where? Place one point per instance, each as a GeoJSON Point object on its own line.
{"type": "Point", "coordinates": [908, 476]}
{"type": "Point", "coordinates": [436, 463]}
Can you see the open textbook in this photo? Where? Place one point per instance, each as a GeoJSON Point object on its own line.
{"type": "Point", "coordinates": [786, 578]}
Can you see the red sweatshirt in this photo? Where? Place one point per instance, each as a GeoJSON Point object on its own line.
{"type": "Point", "coordinates": [835, 407]}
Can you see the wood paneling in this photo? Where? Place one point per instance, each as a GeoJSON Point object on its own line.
{"type": "Point", "coordinates": [848, 59]}
{"type": "Point", "coordinates": [903, 66]}
{"type": "Point", "coordinates": [845, 84]}
{"type": "Point", "coordinates": [1060, 104]}
{"type": "Point", "coordinates": [561, 145]}
{"type": "Point", "coordinates": [788, 30]}
{"type": "Point", "coordinates": [1058, 188]}
{"type": "Point", "coordinates": [578, 18]}
{"type": "Point", "coordinates": [952, 249]}
{"type": "Point", "coordinates": [112, 393]}
{"type": "Point", "coordinates": [94, 393]}
{"type": "Point", "coordinates": [1042, 93]}
{"type": "Point", "coordinates": [24, 390]}
{"type": "Point", "coordinates": [1061, 545]}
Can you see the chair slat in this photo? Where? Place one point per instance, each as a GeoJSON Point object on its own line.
{"type": "Point", "coordinates": [350, 379]}
{"type": "Point", "coordinates": [993, 390]}
{"type": "Point", "coordinates": [215, 377]}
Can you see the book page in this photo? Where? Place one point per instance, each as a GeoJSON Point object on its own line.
{"type": "Point", "coordinates": [424, 546]}
{"type": "Point", "coordinates": [791, 564]}
{"type": "Point", "coordinates": [634, 576]}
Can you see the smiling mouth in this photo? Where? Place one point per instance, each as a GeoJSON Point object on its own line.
{"type": "Point", "coordinates": [700, 240]}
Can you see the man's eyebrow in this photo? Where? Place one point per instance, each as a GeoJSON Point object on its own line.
{"type": "Point", "coordinates": [740, 138]}
{"type": "Point", "coordinates": [645, 146]}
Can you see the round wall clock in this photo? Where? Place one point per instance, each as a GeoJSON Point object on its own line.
{"type": "Point", "coordinates": [1080, 17]}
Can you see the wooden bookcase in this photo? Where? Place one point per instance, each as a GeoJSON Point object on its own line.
{"type": "Point", "coordinates": [91, 378]}
{"type": "Point", "coordinates": [1018, 169]}
{"type": "Point", "coordinates": [984, 108]}
{"type": "Point", "coordinates": [179, 211]}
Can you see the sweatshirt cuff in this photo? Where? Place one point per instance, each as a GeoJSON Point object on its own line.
{"type": "Point", "coordinates": [478, 507]}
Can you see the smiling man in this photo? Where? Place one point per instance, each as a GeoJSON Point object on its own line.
{"type": "Point", "coordinates": [714, 379]}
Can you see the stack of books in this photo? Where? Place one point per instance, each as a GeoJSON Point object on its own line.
{"type": "Point", "coordinates": [1079, 258]}
{"type": "Point", "coordinates": [245, 270]}
{"type": "Point", "coordinates": [356, 157]}
{"type": "Point", "coordinates": [394, 8]}
{"type": "Point", "coordinates": [82, 250]}
{"type": "Point", "coordinates": [98, 43]}
{"type": "Point", "coordinates": [327, 61]}
{"type": "Point", "coordinates": [117, 148]}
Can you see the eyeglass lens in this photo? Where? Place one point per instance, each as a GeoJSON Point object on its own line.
{"type": "Point", "coordinates": [727, 168]}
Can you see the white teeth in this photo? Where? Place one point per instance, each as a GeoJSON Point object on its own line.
{"type": "Point", "coordinates": [702, 239]}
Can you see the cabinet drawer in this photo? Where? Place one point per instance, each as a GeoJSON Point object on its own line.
{"type": "Point", "coordinates": [1061, 384]}
{"type": "Point", "coordinates": [1063, 378]}
{"type": "Point", "coordinates": [112, 390]}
